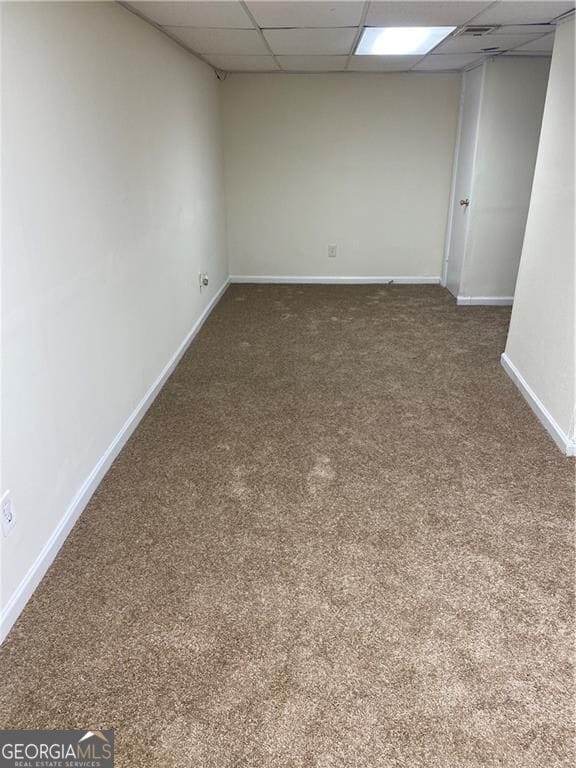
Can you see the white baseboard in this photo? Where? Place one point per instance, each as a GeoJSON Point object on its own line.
{"type": "Point", "coordinates": [341, 280]}
{"type": "Point", "coordinates": [562, 440]}
{"type": "Point", "coordinates": [479, 301]}
{"type": "Point", "coordinates": [36, 572]}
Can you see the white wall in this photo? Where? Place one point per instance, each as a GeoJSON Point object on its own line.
{"type": "Point", "coordinates": [541, 340]}
{"type": "Point", "coordinates": [361, 161]}
{"type": "Point", "coordinates": [513, 97]}
{"type": "Point", "coordinates": [112, 204]}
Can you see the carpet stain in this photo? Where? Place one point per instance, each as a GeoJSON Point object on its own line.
{"type": "Point", "coordinates": [364, 560]}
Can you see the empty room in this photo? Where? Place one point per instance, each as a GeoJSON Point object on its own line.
{"type": "Point", "coordinates": [288, 384]}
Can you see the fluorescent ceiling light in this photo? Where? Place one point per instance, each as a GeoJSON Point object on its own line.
{"type": "Point", "coordinates": [400, 41]}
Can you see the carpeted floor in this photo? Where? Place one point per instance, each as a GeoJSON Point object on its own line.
{"type": "Point", "coordinates": [339, 539]}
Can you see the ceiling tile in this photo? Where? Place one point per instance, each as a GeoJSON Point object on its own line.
{"type": "Point", "coordinates": [528, 54]}
{"type": "Point", "coordinates": [313, 63]}
{"type": "Point", "coordinates": [206, 13]}
{"type": "Point", "coordinates": [323, 13]}
{"type": "Point", "coordinates": [236, 41]}
{"type": "Point", "coordinates": [542, 44]}
{"type": "Point", "coordinates": [525, 29]}
{"type": "Point", "coordinates": [523, 12]}
{"type": "Point", "coordinates": [231, 63]}
{"type": "Point", "coordinates": [313, 41]}
{"type": "Point", "coordinates": [435, 62]}
{"type": "Point", "coordinates": [470, 43]}
{"type": "Point", "coordinates": [405, 14]}
{"type": "Point", "coordinates": [382, 63]}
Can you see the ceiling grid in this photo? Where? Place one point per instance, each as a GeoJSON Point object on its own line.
{"type": "Point", "coordinates": [322, 35]}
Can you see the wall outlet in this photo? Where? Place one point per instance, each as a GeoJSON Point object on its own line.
{"type": "Point", "coordinates": [203, 280]}
{"type": "Point", "coordinates": [332, 251]}
{"type": "Point", "coordinates": [8, 514]}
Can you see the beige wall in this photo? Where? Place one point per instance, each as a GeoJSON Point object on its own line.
{"type": "Point", "coordinates": [542, 330]}
{"type": "Point", "coordinates": [112, 204]}
{"type": "Point", "coordinates": [509, 127]}
{"type": "Point", "coordinates": [357, 160]}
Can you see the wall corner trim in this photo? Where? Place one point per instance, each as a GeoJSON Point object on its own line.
{"type": "Point", "coordinates": [479, 301]}
{"type": "Point", "coordinates": [40, 566]}
{"type": "Point", "coordinates": [566, 444]}
{"type": "Point", "coordinates": [336, 279]}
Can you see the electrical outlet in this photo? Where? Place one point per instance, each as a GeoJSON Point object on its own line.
{"type": "Point", "coordinates": [332, 251]}
{"type": "Point", "coordinates": [8, 514]}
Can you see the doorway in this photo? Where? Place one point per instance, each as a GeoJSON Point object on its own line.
{"type": "Point", "coordinates": [464, 170]}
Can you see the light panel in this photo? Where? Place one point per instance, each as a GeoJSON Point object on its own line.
{"type": "Point", "coordinates": [400, 41]}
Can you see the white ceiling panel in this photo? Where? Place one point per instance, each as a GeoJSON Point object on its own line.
{"type": "Point", "coordinates": [528, 54]}
{"type": "Point", "coordinates": [310, 41]}
{"type": "Point", "coordinates": [230, 63]}
{"type": "Point", "coordinates": [313, 63]}
{"type": "Point", "coordinates": [450, 13]}
{"type": "Point", "coordinates": [523, 12]}
{"type": "Point", "coordinates": [457, 61]}
{"type": "Point", "coordinates": [234, 41]}
{"type": "Point", "coordinates": [207, 13]}
{"type": "Point", "coordinates": [525, 29]}
{"type": "Point", "coordinates": [322, 13]}
{"type": "Point", "coordinates": [471, 44]}
{"type": "Point", "coordinates": [382, 63]}
{"type": "Point", "coordinates": [543, 44]}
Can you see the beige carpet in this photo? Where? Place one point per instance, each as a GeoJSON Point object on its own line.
{"type": "Point", "coordinates": [340, 538]}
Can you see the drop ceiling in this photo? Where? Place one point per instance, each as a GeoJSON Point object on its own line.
{"type": "Point", "coordinates": [321, 35]}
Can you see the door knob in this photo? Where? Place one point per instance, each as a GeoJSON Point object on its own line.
{"type": "Point", "coordinates": [465, 202]}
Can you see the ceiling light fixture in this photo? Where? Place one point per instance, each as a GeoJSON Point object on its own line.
{"type": "Point", "coordinates": [400, 41]}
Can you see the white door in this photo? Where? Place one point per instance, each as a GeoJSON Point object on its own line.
{"type": "Point", "coordinates": [468, 132]}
